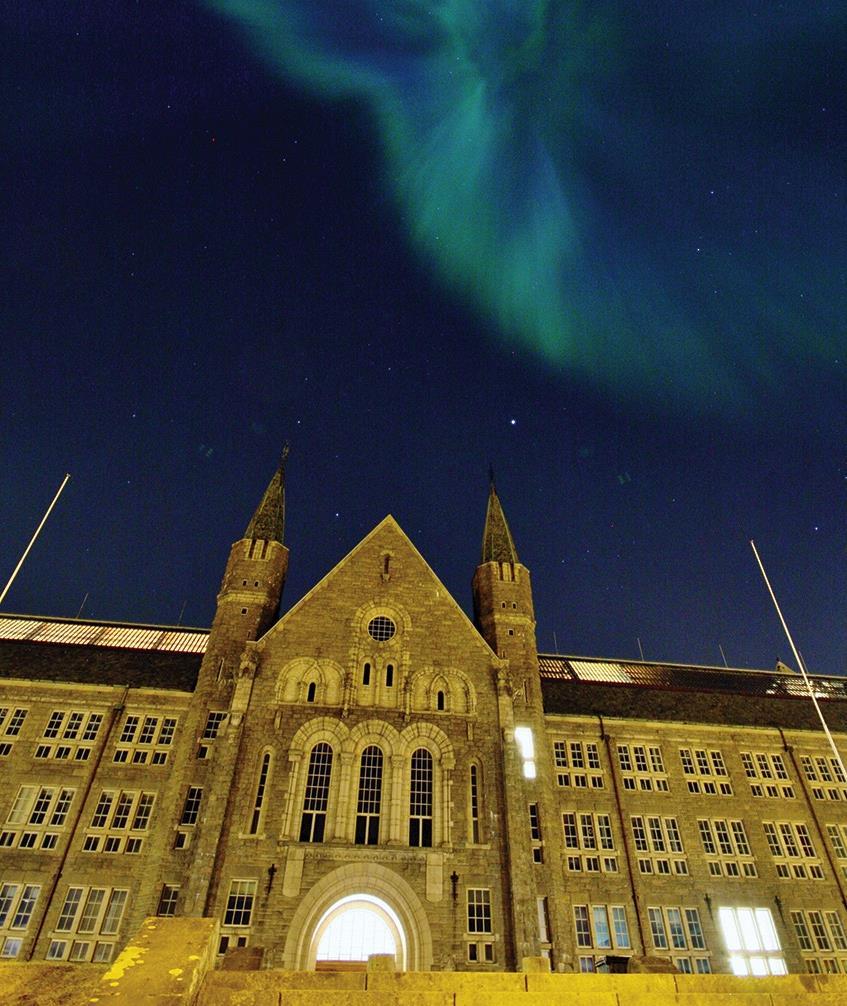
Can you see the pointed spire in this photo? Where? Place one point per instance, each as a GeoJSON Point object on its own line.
{"type": "Point", "coordinates": [268, 521]}
{"type": "Point", "coordinates": [497, 544]}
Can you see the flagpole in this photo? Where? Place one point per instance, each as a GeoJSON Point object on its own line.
{"type": "Point", "coordinates": [32, 540]}
{"type": "Point", "coordinates": [800, 664]}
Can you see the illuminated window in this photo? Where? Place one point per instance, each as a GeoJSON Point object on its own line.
{"type": "Point", "coordinates": [752, 942]}
{"type": "Point", "coordinates": [526, 746]}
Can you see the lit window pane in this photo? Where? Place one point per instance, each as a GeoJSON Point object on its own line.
{"type": "Point", "coordinates": [749, 933]}
{"type": "Point", "coordinates": [738, 965]}
{"type": "Point", "coordinates": [770, 941]}
{"type": "Point", "coordinates": [731, 936]}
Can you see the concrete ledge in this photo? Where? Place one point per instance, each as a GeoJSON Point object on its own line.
{"type": "Point", "coordinates": [567, 996]}
{"type": "Point", "coordinates": [447, 981]}
{"type": "Point", "coordinates": [328, 981]}
{"type": "Point", "coordinates": [164, 963]}
{"type": "Point", "coordinates": [47, 984]}
{"type": "Point", "coordinates": [584, 984]}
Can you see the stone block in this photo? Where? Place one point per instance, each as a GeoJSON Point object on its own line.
{"type": "Point", "coordinates": [165, 962]}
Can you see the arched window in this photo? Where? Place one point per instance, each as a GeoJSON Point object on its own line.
{"type": "Point", "coordinates": [474, 803]}
{"type": "Point", "coordinates": [420, 799]}
{"type": "Point", "coordinates": [439, 701]}
{"type": "Point", "coordinates": [370, 796]}
{"type": "Point", "coordinates": [366, 674]}
{"type": "Point", "coordinates": [389, 675]}
{"type": "Point", "coordinates": [258, 803]}
{"type": "Point", "coordinates": [310, 694]}
{"type": "Point", "coordinates": [316, 796]}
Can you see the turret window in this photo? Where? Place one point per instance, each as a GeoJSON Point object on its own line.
{"type": "Point", "coordinates": [439, 701]}
{"type": "Point", "coordinates": [389, 675]}
{"type": "Point", "coordinates": [316, 797]}
{"type": "Point", "coordinates": [310, 693]}
{"type": "Point", "coordinates": [366, 674]}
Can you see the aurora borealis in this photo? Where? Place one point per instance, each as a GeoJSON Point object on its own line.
{"type": "Point", "coordinates": [615, 185]}
{"type": "Point", "coordinates": [601, 246]}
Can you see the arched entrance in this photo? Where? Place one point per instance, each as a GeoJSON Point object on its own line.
{"type": "Point", "coordinates": [394, 910]}
{"type": "Point", "coordinates": [354, 928]}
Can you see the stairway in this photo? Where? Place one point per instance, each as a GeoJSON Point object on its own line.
{"type": "Point", "coordinates": [446, 988]}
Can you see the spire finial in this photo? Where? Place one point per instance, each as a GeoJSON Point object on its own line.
{"type": "Point", "coordinates": [497, 543]}
{"type": "Point", "coordinates": [268, 521]}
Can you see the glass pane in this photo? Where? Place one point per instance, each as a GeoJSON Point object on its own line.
{"type": "Point", "coordinates": [738, 965]}
{"type": "Point", "coordinates": [749, 931]}
{"type": "Point", "coordinates": [770, 941]}
{"type": "Point", "coordinates": [758, 966]}
{"type": "Point", "coordinates": [731, 936]}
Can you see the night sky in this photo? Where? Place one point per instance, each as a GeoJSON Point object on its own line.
{"type": "Point", "coordinates": [602, 246]}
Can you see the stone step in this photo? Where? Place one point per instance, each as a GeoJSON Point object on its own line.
{"type": "Point", "coordinates": [439, 988]}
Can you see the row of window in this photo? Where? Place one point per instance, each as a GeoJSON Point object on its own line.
{"type": "Point", "coordinates": [642, 767]}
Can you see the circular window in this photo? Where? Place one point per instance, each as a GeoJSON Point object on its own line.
{"type": "Point", "coordinates": [381, 628]}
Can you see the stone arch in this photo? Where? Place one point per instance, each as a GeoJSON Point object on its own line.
{"type": "Point", "coordinates": [430, 736]}
{"type": "Point", "coordinates": [294, 680]}
{"type": "Point", "coordinates": [371, 879]}
{"type": "Point", "coordinates": [460, 695]}
{"type": "Point", "coordinates": [374, 732]}
{"type": "Point", "coordinates": [321, 728]}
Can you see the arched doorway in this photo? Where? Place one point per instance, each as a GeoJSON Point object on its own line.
{"type": "Point", "coordinates": [354, 928]}
{"type": "Point", "coordinates": [369, 886]}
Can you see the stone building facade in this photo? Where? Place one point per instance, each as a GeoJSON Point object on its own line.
{"type": "Point", "coordinates": [374, 771]}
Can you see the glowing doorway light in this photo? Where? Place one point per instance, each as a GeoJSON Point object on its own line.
{"type": "Point", "coordinates": [751, 939]}
{"type": "Point", "coordinates": [356, 927]}
{"type": "Point", "coordinates": [355, 935]}
{"type": "Point", "coordinates": [526, 745]}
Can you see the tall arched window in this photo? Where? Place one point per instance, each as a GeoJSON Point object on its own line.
{"type": "Point", "coordinates": [439, 701]}
{"type": "Point", "coordinates": [370, 796]}
{"type": "Point", "coordinates": [474, 802]}
{"type": "Point", "coordinates": [316, 796]}
{"type": "Point", "coordinates": [420, 799]}
{"type": "Point", "coordinates": [310, 694]}
{"type": "Point", "coordinates": [261, 786]}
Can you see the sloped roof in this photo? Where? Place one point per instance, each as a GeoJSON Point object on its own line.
{"type": "Point", "coordinates": [688, 694]}
{"type": "Point", "coordinates": [101, 653]}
